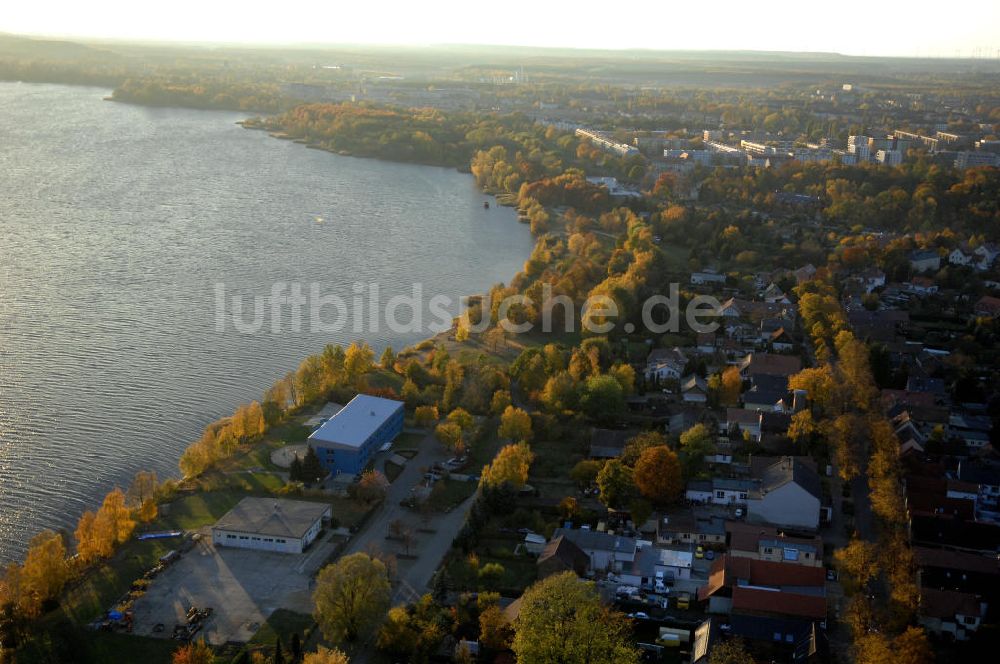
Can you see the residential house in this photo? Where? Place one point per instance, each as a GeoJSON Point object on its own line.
{"type": "Point", "coordinates": [788, 495]}
{"type": "Point", "coordinates": [804, 273]}
{"type": "Point", "coordinates": [781, 341]}
{"type": "Point", "coordinates": [987, 307]}
{"type": "Point", "coordinates": [705, 343]}
{"type": "Point", "coordinates": [719, 491]}
{"type": "Point", "coordinates": [925, 260]}
{"type": "Point", "coordinates": [959, 256]}
{"type": "Point", "coordinates": [606, 552]}
{"type": "Point", "coordinates": [742, 421]}
{"type": "Point", "coordinates": [760, 542]}
{"type": "Point", "coordinates": [691, 527]}
{"type": "Point", "coordinates": [707, 277]}
{"type": "Point", "coordinates": [649, 560]}
{"type": "Point", "coordinates": [760, 587]}
{"type": "Point", "coordinates": [769, 364]}
{"type": "Point", "coordinates": [694, 389]}
{"type": "Point", "coordinates": [950, 612]}
{"type": "Point", "coordinates": [774, 295]}
{"type": "Point", "coordinates": [921, 286]}
{"type": "Point", "coordinates": [665, 364]}
{"type": "Point", "coordinates": [562, 555]}
{"type": "Point", "coordinates": [986, 255]}
{"type": "Point", "coordinates": [872, 279]}
{"type": "Point", "coordinates": [764, 399]}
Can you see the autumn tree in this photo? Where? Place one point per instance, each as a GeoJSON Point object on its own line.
{"type": "Point", "coordinates": [499, 401]}
{"type": "Point", "coordinates": [563, 620]}
{"type": "Point", "coordinates": [658, 475]}
{"type": "Point", "coordinates": [495, 632]}
{"type": "Point", "coordinates": [729, 651]}
{"type": "Point", "coordinates": [351, 596]}
{"type": "Point", "coordinates": [359, 359]}
{"type": "Point", "coordinates": [197, 652]}
{"type": "Point", "coordinates": [639, 443]}
{"type": "Point", "coordinates": [561, 393]}
{"type": "Point", "coordinates": [730, 386]}
{"type": "Point", "coordinates": [388, 359]}
{"type": "Point", "coordinates": [515, 425]}
{"type": "Point", "coordinates": [371, 487]}
{"type": "Point", "coordinates": [412, 633]}
{"type": "Point", "coordinates": [425, 416]}
{"type": "Point", "coordinates": [859, 560]}
{"type": "Point", "coordinates": [449, 434]}
{"type": "Point", "coordinates": [326, 656]}
{"type": "Point", "coordinates": [44, 572]}
{"type": "Point", "coordinates": [509, 466]}
{"type": "Point", "coordinates": [912, 647]}
{"type": "Point", "coordinates": [144, 486]}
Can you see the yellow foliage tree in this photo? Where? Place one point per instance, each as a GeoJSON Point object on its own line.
{"type": "Point", "coordinates": [515, 424]}
{"type": "Point", "coordinates": [510, 466]}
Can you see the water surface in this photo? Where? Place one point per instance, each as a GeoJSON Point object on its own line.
{"type": "Point", "coordinates": [116, 224]}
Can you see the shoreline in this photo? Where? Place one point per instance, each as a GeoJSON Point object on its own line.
{"type": "Point", "coordinates": [428, 336]}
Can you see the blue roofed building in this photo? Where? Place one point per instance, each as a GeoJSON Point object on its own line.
{"type": "Point", "coordinates": [347, 441]}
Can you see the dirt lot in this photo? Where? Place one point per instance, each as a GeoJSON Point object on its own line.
{"type": "Point", "coordinates": [242, 587]}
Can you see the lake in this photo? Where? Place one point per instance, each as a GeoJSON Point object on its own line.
{"type": "Point", "coordinates": [126, 231]}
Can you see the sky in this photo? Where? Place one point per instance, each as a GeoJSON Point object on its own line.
{"type": "Point", "coordinates": [966, 28]}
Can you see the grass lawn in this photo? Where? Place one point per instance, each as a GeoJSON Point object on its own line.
{"type": "Point", "coordinates": [392, 471]}
{"type": "Point", "coordinates": [282, 623]}
{"type": "Point", "coordinates": [103, 585]}
{"type": "Point", "coordinates": [518, 572]}
{"type": "Point", "coordinates": [446, 494]}
{"type": "Point", "coordinates": [554, 459]}
{"type": "Point", "coordinates": [382, 378]}
{"type": "Point", "coordinates": [114, 648]}
{"type": "Point", "coordinates": [407, 441]}
{"type": "Point", "coordinates": [483, 448]}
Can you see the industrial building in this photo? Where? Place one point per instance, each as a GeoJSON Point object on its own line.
{"type": "Point", "coordinates": [270, 524]}
{"type": "Point", "coordinates": [346, 442]}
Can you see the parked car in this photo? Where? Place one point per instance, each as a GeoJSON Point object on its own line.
{"type": "Point", "coordinates": [710, 555]}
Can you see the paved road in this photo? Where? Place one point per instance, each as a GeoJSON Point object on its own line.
{"type": "Point", "coordinates": [414, 575]}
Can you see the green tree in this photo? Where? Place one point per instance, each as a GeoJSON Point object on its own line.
{"type": "Point", "coordinates": [585, 472]}
{"type": "Point", "coordinates": [696, 442]}
{"type": "Point", "coordinates": [351, 597]}
{"type": "Point", "coordinates": [563, 620]}
{"type": "Point", "coordinates": [616, 484]}
{"type": "Point", "coordinates": [603, 398]}
{"type": "Point", "coordinates": [312, 468]}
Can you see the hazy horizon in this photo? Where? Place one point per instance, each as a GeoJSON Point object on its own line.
{"type": "Point", "coordinates": [887, 28]}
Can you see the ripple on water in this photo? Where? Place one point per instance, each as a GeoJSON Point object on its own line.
{"type": "Point", "coordinates": [117, 223]}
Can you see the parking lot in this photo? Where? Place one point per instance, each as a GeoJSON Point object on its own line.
{"type": "Point", "coordinates": [242, 587]}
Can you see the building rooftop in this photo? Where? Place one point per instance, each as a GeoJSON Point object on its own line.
{"type": "Point", "coordinates": [790, 469]}
{"type": "Point", "coordinates": [271, 516]}
{"type": "Point", "coordinates": [356, 421]}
